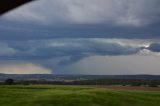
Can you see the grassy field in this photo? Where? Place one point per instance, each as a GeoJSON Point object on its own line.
{"type": "Point", "coordinates": [75, 96]}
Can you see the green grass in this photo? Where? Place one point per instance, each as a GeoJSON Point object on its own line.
{"type": "Point", "coordinates": [74, 96]}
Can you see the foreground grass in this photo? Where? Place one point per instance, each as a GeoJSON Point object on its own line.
{"type": "Point", "coordinates": [74, 96]}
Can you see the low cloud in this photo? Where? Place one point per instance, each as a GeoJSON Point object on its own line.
{"type": "Point", "coordinates": [72, 50]}
{"type": "Point", "coordinates": [43, 56]}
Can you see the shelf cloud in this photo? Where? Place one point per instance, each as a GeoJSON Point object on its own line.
{"type": "Point", "coordinates": [72, 50]}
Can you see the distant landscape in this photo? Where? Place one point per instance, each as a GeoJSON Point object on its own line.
{"type": "Point", "coordinates": [79, 90]}
{"type": "Point", "coordinates": [124, 80]}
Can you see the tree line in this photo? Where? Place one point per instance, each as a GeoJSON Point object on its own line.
{"type": "Point", "coordinates": [123, 82]}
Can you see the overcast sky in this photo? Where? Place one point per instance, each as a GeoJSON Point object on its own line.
{"type": "Point", "coordinates": [81, 37]}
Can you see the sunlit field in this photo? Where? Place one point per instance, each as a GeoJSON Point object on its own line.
{"type": "Point", "coordinates": [42, 95]}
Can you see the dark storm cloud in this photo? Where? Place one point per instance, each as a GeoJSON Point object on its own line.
{"type": "Point", "coordinates": [154, 47]}
{"type": "Point", "coordinates": [74, 49]}
{"type": "Point", "coordinates": [71, 50]}
{"type": "Point", "coordinates": [72, 59]}
{"type": "Point", "coordinates": [76, 19]}
{"type": "Point", "coordinates": [20, 32]}
{"type": "Point", "coordinates": [51, 32]}
{"type": "Point", "coordinates": [116, 12]}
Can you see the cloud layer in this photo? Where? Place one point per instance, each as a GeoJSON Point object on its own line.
{"type": "Point", "coordinates": [58, 34]}
{"type": "Point", "coordinates": [72, 50]}
{"type": "Point", "coordinates": [112, 12]}
{"type": "Point", "coordinates": [56, 55]}
{"type": "Point", "coordinates": [50, 19]}
{"type": "Point", "coordinates": [44, 49]}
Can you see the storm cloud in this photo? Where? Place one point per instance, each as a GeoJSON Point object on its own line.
{"type": "Point", "coordinates": [50, 19]}
{"type": "Point", "coordinates": [69, 34]}
{"type": "Point", "coordinates": [154, 47]}
{"type": "Point", "coordinates": [116, 12]}
{"type": "Point", "coordinates": [72, 49]}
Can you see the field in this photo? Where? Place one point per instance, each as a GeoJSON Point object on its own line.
{"type": "Point", "coordinates": [45, 95]}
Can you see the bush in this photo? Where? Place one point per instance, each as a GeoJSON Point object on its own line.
{"type": "Point", "coordinates": [9, 81]}
{"type": "Point", "coordinates": [153, 85]}
{"type": "Point", "coordinates": [136, 84]}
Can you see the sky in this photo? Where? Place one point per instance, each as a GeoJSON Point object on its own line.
{"type": "Point", "coordinates": [93, 37]}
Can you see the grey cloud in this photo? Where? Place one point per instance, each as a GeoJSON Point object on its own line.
{"type": "Point", "coordinates": [19, 32]}
{"type": "Point", "coordinates": [115, 12]}
{"type": "Point", "coordinates": [51, 19]}
{"type": "Point", "coordinates": [74, 49]}
{"type": "Point", "coordinates": [5, 50]}
{"type": "Point", "coordinates": [154, 47]}
{"type": "Point", "coordinates": [72, 59]}
{"type": "Point", "coordinates": [62, 32]}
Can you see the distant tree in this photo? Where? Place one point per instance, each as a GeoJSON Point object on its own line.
{"type": "Point", "coordinates": [136, 84]}
{"type": "Point", "coordinates": [9, 81]}
{"type": "Point", "coordinates": [153, 85]}
{"type": "Point", "coordinates": [23, 82]}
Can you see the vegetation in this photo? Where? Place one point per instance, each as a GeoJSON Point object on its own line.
{"type": "Point", "coordinates": [9, 81]}
{"type": "Point", "coordinates": [124, 82]}
{"type": "Point", "coordinates": [45, 79]}
{"type": "Point", "coordinates": [45, 95]}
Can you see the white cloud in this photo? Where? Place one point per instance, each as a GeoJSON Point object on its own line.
{"type": "Point", "coordinates": [116, 12]}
